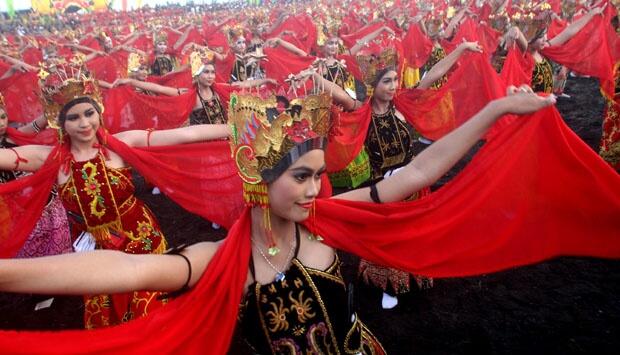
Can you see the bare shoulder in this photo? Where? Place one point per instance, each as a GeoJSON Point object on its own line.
{"type": "Point", "coordinates": [201, 253]}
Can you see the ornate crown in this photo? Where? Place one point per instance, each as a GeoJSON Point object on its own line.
{"type": "Point", "coordinates": [160, 36]}
{"type": "Point", "coordinates": [232, 33]}
{"type": "Point", "coordinates": [198, 59]}
{"type": "Point", "coordinates": [328, 29]}
{"type": "Point", "coordinates": [134, 62]}
{"type": "Point", "coordinates": [265, 141]}
{"type": "Point", "coordinates": [532, 24]}
{"type": "Point", "coordinates": [63, 86]}
{"type": "Point", "coordinates": [371, 64]}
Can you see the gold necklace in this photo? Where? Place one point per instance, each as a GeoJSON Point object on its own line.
{"type": "Point", "coordinates": [279, 273]}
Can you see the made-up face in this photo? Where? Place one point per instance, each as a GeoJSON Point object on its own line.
{"type": "Point", "coordinates": [331, 46]}
{"type": "Point", "coordinates": [292, 194]}
{"type": "Point", "coordinates": [386, 87]}
{"type": "Point", "coordinates": [161, 47]}
{"type": "Point", "coordinates": [82, 122]}
{"type": "Point", "coordinates": [207, 77]}
{"type": "Point", "coordinates": [239, 45]}
{"type": "Point", "coordinates": [540, 43]}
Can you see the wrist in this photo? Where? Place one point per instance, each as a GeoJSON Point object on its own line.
{"type": "Point", "coordinates": [498, 107]}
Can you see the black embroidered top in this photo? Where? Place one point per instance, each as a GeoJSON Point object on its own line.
{"type": "Point", "coordinates": [211, 112]}
{"type": "Point", "coordinates": [542, 77]}
{"type": "Point", "coordinates": [305, 313]}
{"type": "Point", "coordinates": [241, 72]}
{"type": "Point", "coordinates": [389, 143]}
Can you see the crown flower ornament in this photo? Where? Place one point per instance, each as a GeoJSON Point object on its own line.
{"type": "Point", "coordinates": [268, 136]}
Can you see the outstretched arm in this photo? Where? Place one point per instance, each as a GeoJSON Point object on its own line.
{"type": "Point", "coordinates": [153, 87]}
{"type": "Point", "coordinates": [339, 96]}
{"type": "Point", "coordinates": [369, 37]}
{"type": "Point", "coordinates": [277, 41]}
{"type": "Point", "coordinates": [253, 83]}
{"type": "Point", "coordinates": [183, 135]}
{"type": "Point", "coordinates": [24, 158]}
{"type": "Point", "coordinates": [571, 30]}
{"type": "Point", "coordinates": [443, 66]}
{"type": "Point", "coordinates": [104, 271]}
{"type": "Point", "coordinates": [514, 35]}
{"type": "Point", "coordinates": [430, 165]}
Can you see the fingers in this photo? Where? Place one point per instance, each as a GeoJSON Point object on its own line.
{"type": "Point", "coordinates": [510, 90]}
{"type": "Point", "coordinates": [525, 89]}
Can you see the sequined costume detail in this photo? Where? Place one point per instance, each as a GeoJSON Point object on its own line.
{"type": "Point", "coordinates": [211, 111]}
{"type": "Point", "coordinates": [542, 77]}
{"type": "Point", "coordinates": [306, 313]}
{"type": "Point", "coordinates": [101, 200]}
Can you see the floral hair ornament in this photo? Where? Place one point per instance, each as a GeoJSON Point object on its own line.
{"type": "Point", "coordinates": [266, 140]}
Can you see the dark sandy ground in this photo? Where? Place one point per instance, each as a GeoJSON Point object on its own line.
{"type": "Point", "coordinates": [564, 306]}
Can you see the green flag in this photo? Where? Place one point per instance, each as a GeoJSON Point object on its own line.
{"type": "Point", "coordinates": [9, 8]}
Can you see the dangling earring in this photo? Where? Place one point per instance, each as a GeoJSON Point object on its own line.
{"type": "Point", "coordinates": [314, 236]}
{"type": "Point", "coordinates": [257, 195]}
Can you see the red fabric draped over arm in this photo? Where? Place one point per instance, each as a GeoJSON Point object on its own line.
{"type": "Point", "coordinates": [280, 63]}
{"type": "Point", "coordinates": [417, 45]}
{"type": "Point", "coordinates": [127, 109]}
{"type": "Point", "coordinates": [511, 188]}
{"type": "Point", "coordinates": [21, 96]}
{"type": "Point", "coordinates": [47, 137]}
{"type": "Point", "coordinates": [588, 52]}
{"type": "Point", "coordinates": [204, 318]}
{"type": "Point", "coordinates": [180, 79]}
{"type": "Point", "coordinates": [107, 68]}
{"type": "Point", "coordinates": [202, 177]}
{"type": "Point", "coordinates": [518, 67]}
{"type": "Point", "coordinates": [434, 113]}
{"type": "Point", "coordinates": [22, 202]}
{"type": "Point", "coordinates": [534, 191]}
{"type": "Point", "coordinates": [347, 137]}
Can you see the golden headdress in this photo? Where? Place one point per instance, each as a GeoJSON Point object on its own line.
{"type": "Point", "coordinates": [263, 136]}
{"type": "Point", "coordinates": [372, 64]}
{"type": "Point", "coordinates": [160, 36]}
{"type": "Point", "coordinates": [2, 103]}
{"type": "Point", "coordinates": [327, 30]}
{"type": "Point", "coordinates": [265, 141]}
{"type": "Point", "coordinates": [232, 33]}
{"type": "Point", "coordinates": [198, 59]}
{"type": "Point", "coordinates": [134, 62]}
{"type": "Point", "coordinates": [63, 86]}
{"type": "Point", "coordinates": [533, 24]}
